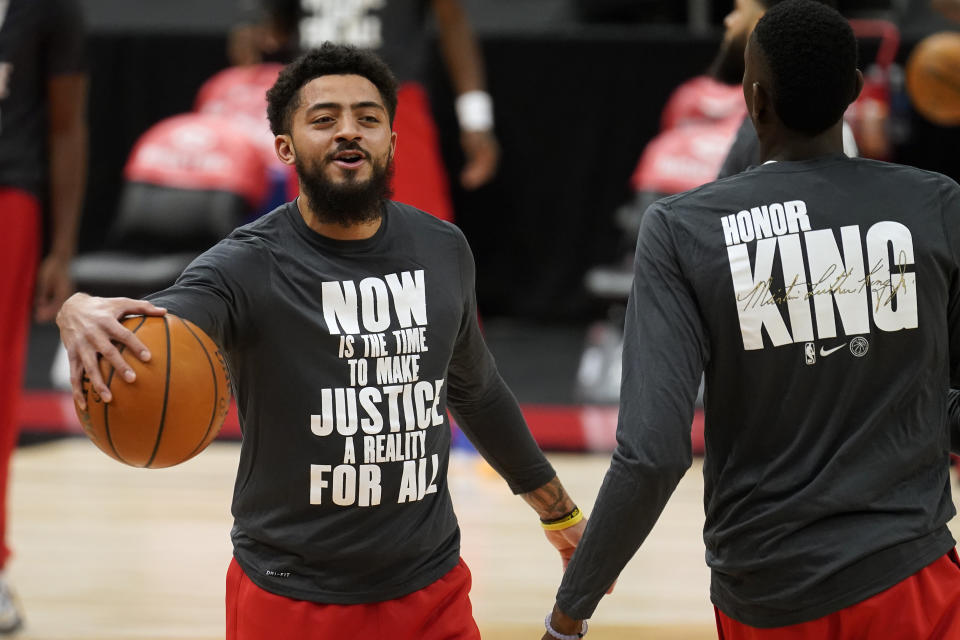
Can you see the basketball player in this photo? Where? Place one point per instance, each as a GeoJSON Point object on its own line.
{"type": "Point", "coordinates": [398, 31]}
{"type": "Point", "coordinates": [348, 322]}
{"type": "Point", "coordinates": [827, 488]}
{"type": "Point", "coordinates": [727, 67]}
{"type": "Point", "coordinates": [43, 159]}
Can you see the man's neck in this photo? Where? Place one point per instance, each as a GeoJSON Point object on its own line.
{"type": "Point", "coordinates": [784, 145]}
{"type": "Point", "coordinates": [333, 230]}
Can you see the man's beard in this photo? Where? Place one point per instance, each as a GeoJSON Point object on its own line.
{"type": "Point", "coordinates": [349, 202]}
{"type": "Point", "coordinates": [728, 66]}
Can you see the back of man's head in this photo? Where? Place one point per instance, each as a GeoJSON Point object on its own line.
{"type": "Point", "coordinates": [811, 55]}
{"type": "Point", "coordinates": [727, 66]}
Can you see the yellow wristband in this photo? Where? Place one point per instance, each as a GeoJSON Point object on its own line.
{"type": "Point", "coordinates": [565, 522]}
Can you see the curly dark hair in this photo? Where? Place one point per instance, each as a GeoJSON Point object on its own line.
{"type": "Point", "coordinates": [283, 98]}
{"type": "Point", "coordinates": [811, 52]}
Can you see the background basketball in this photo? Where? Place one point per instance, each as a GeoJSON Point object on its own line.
{"type": "Point", "coordinates": [174, 408]}
{"type": "Point", "coordinates": [933, 78]}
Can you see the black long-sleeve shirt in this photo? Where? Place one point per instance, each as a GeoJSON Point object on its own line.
{"type": "Point", "coordinates": [822, 300]}
{"type": "Point", "coordinates": [343, 357]}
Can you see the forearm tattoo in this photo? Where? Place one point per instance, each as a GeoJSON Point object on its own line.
{"type": "Point", "coordinates": [550, 501]}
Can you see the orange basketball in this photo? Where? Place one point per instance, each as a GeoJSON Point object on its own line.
{"type": "Point", "coordinates": [933, 78]}
{"type": "Point", "coordinates": [174, 408]}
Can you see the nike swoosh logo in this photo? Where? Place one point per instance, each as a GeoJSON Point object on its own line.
{"type": "Point", "coordinates": [825, 352]}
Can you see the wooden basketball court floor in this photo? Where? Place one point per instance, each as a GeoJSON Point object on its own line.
{"type": "Point", "coordinates": [108, 552]}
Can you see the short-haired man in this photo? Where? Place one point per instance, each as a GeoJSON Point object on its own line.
{"type": "Point", "coordinates": [728, 67]}
{"type": "Point", "coordinates": [348, 322]}
{"type": "Point", "coordinates": [821, 296]}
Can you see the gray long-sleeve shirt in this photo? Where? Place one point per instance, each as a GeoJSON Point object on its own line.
{"type": "Point", "coordinates": [343, 356]}
{"type": "Point", "coordinates": [822, 300]}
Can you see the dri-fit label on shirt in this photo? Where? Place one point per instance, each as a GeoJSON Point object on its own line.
{"type": "Point", "coordinates": [382, 417]}
{"type": "Point", "coordinates": [833, 283]}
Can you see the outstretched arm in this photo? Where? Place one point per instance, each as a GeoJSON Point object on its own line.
{"type": "Point", "coordinates": [665, 349]}
{"type": "Point", "coordinates": [490, 417]}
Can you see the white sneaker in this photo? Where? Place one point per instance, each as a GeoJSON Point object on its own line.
{"type": "Point", "coordinates": [10, 618]}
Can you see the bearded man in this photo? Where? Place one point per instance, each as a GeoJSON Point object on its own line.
{"type": "Point", "coordinates": [343, 520]}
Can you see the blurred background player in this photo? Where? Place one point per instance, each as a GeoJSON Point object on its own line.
{"type": "Point", "coordinates": [398, 30]}
{"type": "Point", "coordinates": [827, 487]}
{"type": "Point", "coordinates": [43, 159]}
{"type": "Point", "coordinates": [727, 67]}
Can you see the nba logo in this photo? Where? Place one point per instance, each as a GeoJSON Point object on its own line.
{"type": "Point", "coordinates": [810, 352]}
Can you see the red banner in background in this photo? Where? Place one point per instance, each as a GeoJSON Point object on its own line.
{"type": "Point", "coordinates": [702, 100]}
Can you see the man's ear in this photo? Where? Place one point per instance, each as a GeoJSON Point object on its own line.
{"type": "Point", "coordinates": [858, 88]}
{"type": "Point", "coordinates": [760, 103]}
{"type": "Point", "coordinates": [283, 145]}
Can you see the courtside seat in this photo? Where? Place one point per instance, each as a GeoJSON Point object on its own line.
{"type": "Point", "coordinates": [189, 182]}
{"type": "Point", "coordinates": [240, 95]}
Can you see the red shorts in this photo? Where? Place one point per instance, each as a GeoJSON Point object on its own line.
{"type": "Point", "coordinates": [925, 606]}
{"type": "Point", "coordinates": [439, 611]}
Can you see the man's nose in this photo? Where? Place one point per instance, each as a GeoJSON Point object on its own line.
{"type": "Point", "coordinates": [349, 129]}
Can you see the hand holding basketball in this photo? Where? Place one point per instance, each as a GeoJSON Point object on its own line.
{"type": "Point", "coordinates": [89, 329]}
{"type": "Point", "coordinates": [175, 406]}
{"type": "Point", "coordinates": [171, 400]}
